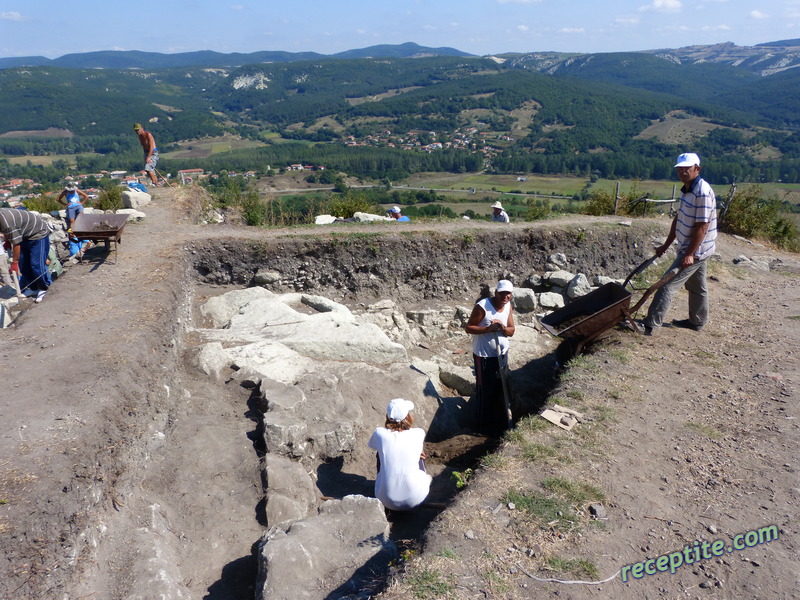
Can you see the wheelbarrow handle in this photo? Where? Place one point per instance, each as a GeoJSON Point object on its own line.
{"type": "Point", "coordinates": [668, 276]}
{"type": "Point", "coordinates": [639, 269]}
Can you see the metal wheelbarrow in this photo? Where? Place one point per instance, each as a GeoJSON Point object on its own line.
{"type": "Point", "coordinates": [106, 228]}
{"type": "Point", "coordinates": [589, 316]}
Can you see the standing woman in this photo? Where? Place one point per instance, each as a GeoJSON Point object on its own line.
{"type": "Point", "coordinates": [491, 324]}
{"type": "Point", "coordinates": [402, 482]}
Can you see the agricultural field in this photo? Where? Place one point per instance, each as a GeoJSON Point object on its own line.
{"type": "Point", "coordinates": [206, 147]}
{"type": "Point", "coordinates": [46, 160]}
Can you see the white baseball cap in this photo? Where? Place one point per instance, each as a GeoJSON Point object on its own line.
{"type": "Point", "coordinates": [394, 209]}
{"type": "Point", "coordinates": [504, 285]}
{"type": "Point", "coordinates": [689, 159]}
{"type": "Point", "coordinates": [399, 408]}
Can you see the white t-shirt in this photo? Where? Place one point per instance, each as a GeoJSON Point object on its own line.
{"type": "Point", "coordinates": [483, 344]}
{"type": "Point", "coordinates": [400, 484]}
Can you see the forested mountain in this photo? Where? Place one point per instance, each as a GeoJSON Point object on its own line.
{"type": "Point", "coordinates": [622, 114]}
{"type": "Point", "coordinates": [135, 59]}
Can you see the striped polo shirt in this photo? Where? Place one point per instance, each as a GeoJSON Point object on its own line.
{"type": "Point", "coordinates": [18, 225]}
{"type": "Point", "coordinates": [698, 205]}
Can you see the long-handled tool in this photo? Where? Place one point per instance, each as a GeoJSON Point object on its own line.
{"type": "Point", "coordinates": [502, 359]}
{"type": "Point", "coordinates": [15, 283]}
{"type": "Point", "coordinates": [158, 173]}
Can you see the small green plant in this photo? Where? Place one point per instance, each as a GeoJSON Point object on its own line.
{"type": "Point", "coordinates": [705, 430]}
{"type": "Point", "coordinates": [622, 355]}
{"type": "Point", "coordinates": [494, 461]}
{"type": "Point", "coordinates": [708, 358]}
{"type": "Point", "coordinates": [579, 567]}
{"type": "Point", "coordinates": [531, 424]}
{"type": "Point", "coordinates": [575, 492]}
{"type": "Point", "coordinates": [429, 584]}
{"type": "Point", "coordinates": [449, 553]}
{"type": "Point", "coordinates": [533, 452]}
{"type": "Point", "coordinates": [548, 511]}
{"type": "Point", "coordinates": [602, 413]}
{"type": "Point", "coordinates": [577, 394]}
{"type": "Point", "coordinates": [468, 239]}
{"type": "Point", "coordinates": [462, 477]}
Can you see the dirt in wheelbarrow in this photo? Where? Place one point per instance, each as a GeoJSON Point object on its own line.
{"type": "Point", "coordinates": [688, 436]}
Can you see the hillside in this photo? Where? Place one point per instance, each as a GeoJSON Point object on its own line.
{"type": "Point", "coordinates": [548, 114]}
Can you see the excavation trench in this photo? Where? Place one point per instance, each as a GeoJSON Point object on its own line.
{"type": "Point", "coordinates": [417, 290]}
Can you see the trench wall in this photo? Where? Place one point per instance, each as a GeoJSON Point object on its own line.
{"type": "Point", "coordinates": [415, 266]}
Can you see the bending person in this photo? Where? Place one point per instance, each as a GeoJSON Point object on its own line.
{"type": "Point", "coordinates": [402, 482]}
{"type": "Point", "coordinates": [491, 324]}
{"type": "Point", "coordinates": [29, 237]}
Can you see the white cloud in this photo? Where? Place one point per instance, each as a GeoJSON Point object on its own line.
{"type": "Point", "coordinates": [12, 16]}
{"type": "Point", "coordinates": [572, 30]}
{"type": "Point", "coordinates": [626, 20]}
{"type": "Point", "coordinates": [715, 28]}
{"type": "Point", "coordinates": [664, 6]}
{"type": "Point", "coordinates": [757, 14]}
{"type": "Point", "coordinates": [237, 7]}
{"type": "Point", "coordinates": [523, 27]}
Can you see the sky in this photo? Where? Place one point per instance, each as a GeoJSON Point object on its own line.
{"type": "Point", "coordinates": [52, 28]}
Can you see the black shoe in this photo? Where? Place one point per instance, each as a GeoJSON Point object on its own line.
{"type": "Point", "coordinates": [644, 328]}
{"type": "Point", "coordinates": [686, 324]}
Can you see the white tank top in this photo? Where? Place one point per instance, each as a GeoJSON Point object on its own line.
{"type": "Point", "coordinates": [484, 344]}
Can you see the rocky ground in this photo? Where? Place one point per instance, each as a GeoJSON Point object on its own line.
{"type": "Point", "coordinates": [110, 441]}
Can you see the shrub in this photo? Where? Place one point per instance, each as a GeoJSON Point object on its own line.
{"type": "Point", "coordinates": [538, 209]}
{"type": "Point", "coordinates": [109, 199]}
{"type": "Point", "coordinates": [348, 204]}
{"type": "Point", "coordinates": [750, 215]}
{"type": "Point", "coordinates": [601, 202]}
{"type": "Point", "coordinates": [43, 204]}
{"type": "Point", "coordinates": [254, 208]}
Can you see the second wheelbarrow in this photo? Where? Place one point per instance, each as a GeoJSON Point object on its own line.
{"type": "Point", "coordinates": [587, 317]}
{"type": "Point", "coordinates": [106, 228]}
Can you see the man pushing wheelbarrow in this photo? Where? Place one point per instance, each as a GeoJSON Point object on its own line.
{"type": "Point", "coordinates": [695, 228]}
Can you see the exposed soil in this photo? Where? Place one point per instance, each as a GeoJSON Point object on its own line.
{"type": "Point", "coordinates": [110, 439]}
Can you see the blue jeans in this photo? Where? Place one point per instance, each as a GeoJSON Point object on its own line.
{"type": "Point", "coordinates": [33, 270]}
{"type": "Point", "coordinates": [694, 278]}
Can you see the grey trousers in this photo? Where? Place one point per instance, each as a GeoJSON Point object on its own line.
{"type": "Point", "coordinates": [694, 278]}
